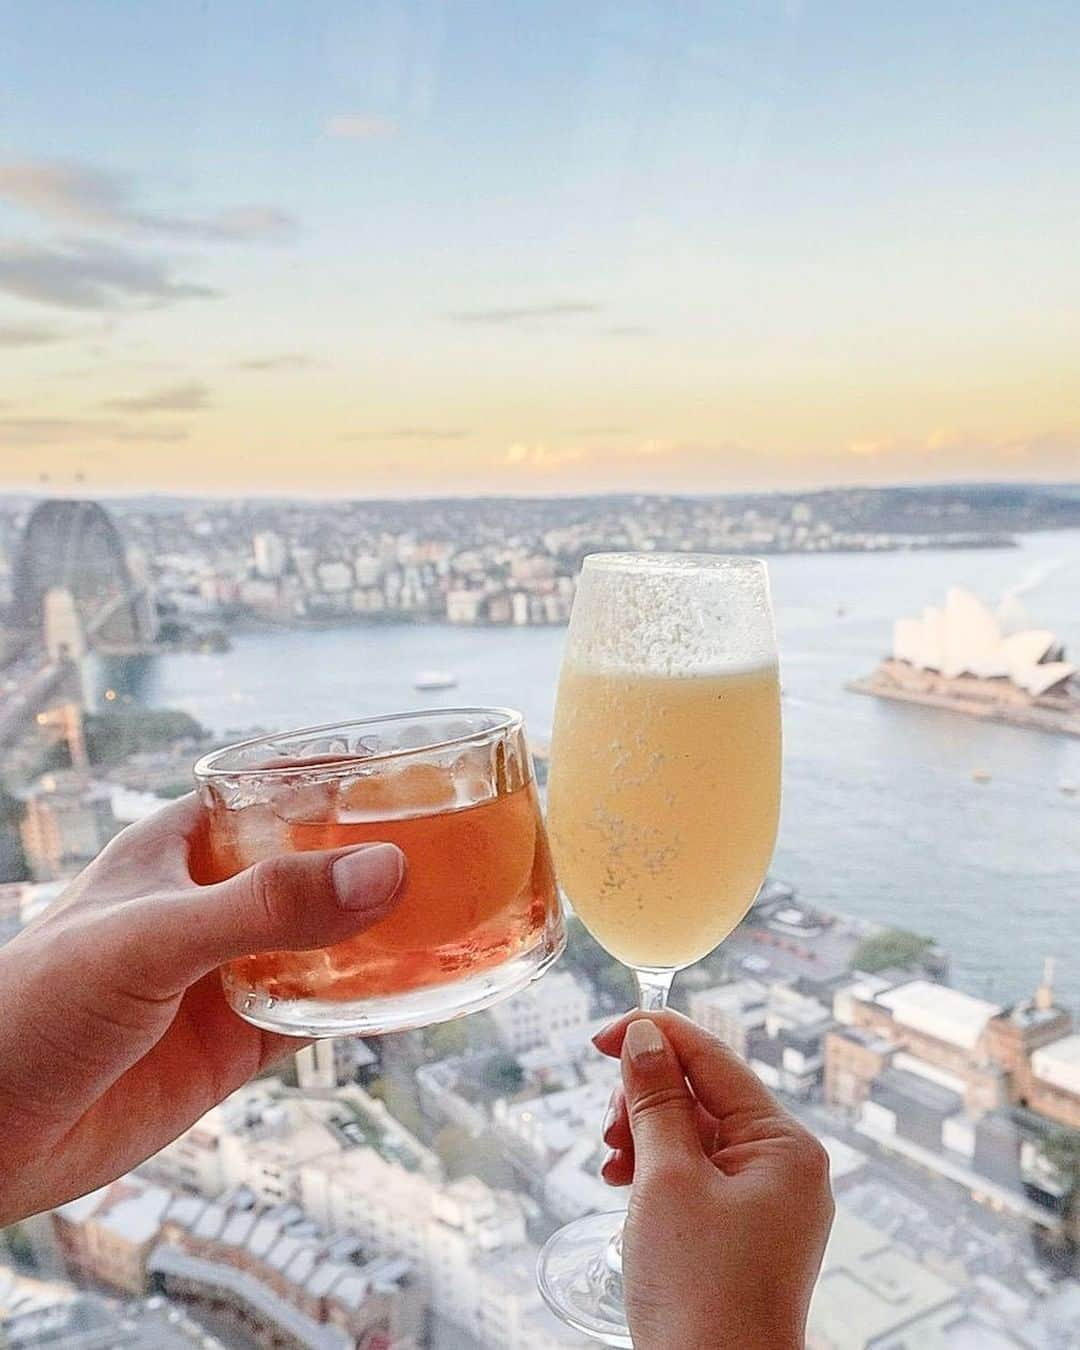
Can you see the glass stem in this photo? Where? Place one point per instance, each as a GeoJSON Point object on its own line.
{"type": "Point", "coordinates": [653, 987]}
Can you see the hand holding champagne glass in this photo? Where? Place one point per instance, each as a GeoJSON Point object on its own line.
{"type": "Point", "coordinates": [663, 803]}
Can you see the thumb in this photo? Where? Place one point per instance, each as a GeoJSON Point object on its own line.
{"type": "Point", "coordinates": [658, 1101]}
{"type": "Point", "coordinates": [294, 901]}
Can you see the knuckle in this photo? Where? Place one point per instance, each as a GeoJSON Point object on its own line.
{"type": "Point", "coordinates": [808, 1157]}
{"type": "Point", "coordinates": [264, 892]}
{"type": "Point", "coordinates": [668, 1100]}
{"type": "Point", "coordinates": [815, 1159]}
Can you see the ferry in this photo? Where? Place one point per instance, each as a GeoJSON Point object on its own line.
{"type": "Point", "coordinates": [430, 680]}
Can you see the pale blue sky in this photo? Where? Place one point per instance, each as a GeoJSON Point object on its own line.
{"type": "Point", "coordinates": [684, 244]}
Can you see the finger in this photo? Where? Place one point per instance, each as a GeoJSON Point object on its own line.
{"type": "Point", "coordinates": [616, 1127]}
{"type": "Point", "coordinates": [615, 1131]}
{"type": "Point", "coordinates": [618, 1167]}
{"type": "Point", "coordinates": [728, 1089]}
{"type": "Point", "coordinates": [158, 848]}
{"type": "Point", "coordinates": [658, 1100]}
{"type": "Point", "coordinates": [292, 902]}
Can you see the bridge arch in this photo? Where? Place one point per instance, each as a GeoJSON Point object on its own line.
{"type": "Point", "coordinates": [75, 545]}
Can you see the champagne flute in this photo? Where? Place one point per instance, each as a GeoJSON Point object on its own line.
{"type": "Point", "coordinates": [663, 802]}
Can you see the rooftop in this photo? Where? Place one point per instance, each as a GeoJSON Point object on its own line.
{"type": "Point", "coordinates": [935, 1010]}
{"type": "Point", "coordinates": [167, 1260]}
{"type": "Point", "coordinates": [894, 1085]}
{"type": "Point", "coordinates": [869, 1287]}
{"type": "Point", "coordinates": [1059, 1064]}
{"type": "Point", "coordinates": [861, 1036]}
{"type": "Point", "coordinates": [735, 995]}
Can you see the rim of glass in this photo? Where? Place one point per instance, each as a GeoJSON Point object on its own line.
{"type": "Point", "coordinates": [676, 562]}
{"type": "Point", "coordinates": [504, 720]}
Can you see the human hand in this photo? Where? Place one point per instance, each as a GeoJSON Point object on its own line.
{"type": "Point", "coordinates": [730, 1209]}
{"type": "Point", "coordinates": [114, 1031]}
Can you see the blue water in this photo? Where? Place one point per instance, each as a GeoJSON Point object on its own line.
{"type": "Point", "coordinates": [881, 816]}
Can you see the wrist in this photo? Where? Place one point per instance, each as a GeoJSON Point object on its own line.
{"type": "Point", "coordinates": [770, 1332]}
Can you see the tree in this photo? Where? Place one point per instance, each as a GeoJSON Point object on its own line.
{"type": "Point", "coordinates": [504, 1074]}
{"type": "Point", "coordinates": [113, 736]}
{"type": "Point", "coordinates": [894, 947]}
{"type": "Point", "coordinates": [19, 1246]}
{"type": "Point", "coordinates": [453, 1145]}
{"type": "Point", "coordinates": [463, 1156]}
{"type": "Point", "coordinates": [12, 859]}
{"type": "Point", "coordinates": [400, 1102]}
{"type": "Point", "coordinates": [447, 1039]}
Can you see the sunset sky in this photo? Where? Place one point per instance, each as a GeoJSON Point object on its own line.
{"type": "Point", "coordinates": [407, 248]}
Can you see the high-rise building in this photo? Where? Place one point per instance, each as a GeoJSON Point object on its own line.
{"type": "Point", "coordinates": [271, 554]}
{"type": "Point", "coordinates": [551, 1006]}
{"type": "Point", "coordinates": [730, 1011]}
{"type": "Point", "coordinates": [67, 823]}
{"type": "Point", "coordinates": [315, 1065]}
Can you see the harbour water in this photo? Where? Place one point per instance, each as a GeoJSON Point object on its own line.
{"type": "Point", "coordinates": [882, 815]}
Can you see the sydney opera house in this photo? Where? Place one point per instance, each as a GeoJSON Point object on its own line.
{"type": "Point", "coordinates": [966, 657]}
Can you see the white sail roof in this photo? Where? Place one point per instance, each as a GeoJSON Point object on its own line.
{"type": "Point", "coordinates": [966, 638]}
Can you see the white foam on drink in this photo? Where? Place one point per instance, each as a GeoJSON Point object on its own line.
{"type": "Point", "coordinates": [672, 615]}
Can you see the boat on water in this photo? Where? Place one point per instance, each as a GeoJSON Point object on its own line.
{"type": "Point", "coordinates": [428, 680]}
{"type": "Point", "coordinates": [981, 775]}
{"type": "Point", "coordinates": [1068, 787]}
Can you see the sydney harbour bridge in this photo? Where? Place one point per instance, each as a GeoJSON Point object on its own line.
{"type": "Point", "coordinates": [74, 590]}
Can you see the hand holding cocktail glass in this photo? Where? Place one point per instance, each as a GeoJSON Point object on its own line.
{"type": "Point", "coordinates": [663, 803]}
{"type": "Point", "coordinates": [478, 916]}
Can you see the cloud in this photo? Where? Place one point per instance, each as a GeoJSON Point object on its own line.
{"type": "Point", "coordinates": [85, 275]}
{"type": "Point", "coordinates": [284, 361]}
{"type": "Point", "coordinates": [627, 330]}
{"type": "Point", "coordinates": [410, 434]}
{"type": "Point", "coordinates": [512, 314]}
{"type": "Point", "coordinates": [190, 396]}
{"type": "Point", "coordinates": [69, 193]}
{"type": "Point", "coordinates": [359, 127]}
{"type": "Point", "coordinates": [28, 335]}
{"type": "Point", "coordinates": [20, 432]}
{"type": "Point", "coordinates": [540, 458]}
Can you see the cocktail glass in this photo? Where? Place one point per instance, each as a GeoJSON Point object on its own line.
{"type": "Point", "coordinates": [663, 801]}
{"type": "Point", "coordinates": [479, 916]}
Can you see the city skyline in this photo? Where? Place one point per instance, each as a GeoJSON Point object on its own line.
{"type": "Point", "coordinates": [426, 248]}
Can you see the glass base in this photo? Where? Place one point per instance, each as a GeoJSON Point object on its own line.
{"type": "Point", "coordinates": [580, 1277]}
{"type": "Point", "coordinates": [309, 1017]}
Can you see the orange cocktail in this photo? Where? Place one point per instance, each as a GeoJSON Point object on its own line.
{"type": "Point", "coordinates": [479, 914]}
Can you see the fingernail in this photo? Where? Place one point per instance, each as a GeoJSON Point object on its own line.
{"type": "Point", "coordinates": [369, 876]}
{"type": "Point", "coordinates": [643, 1040]}
{"type": "Point", "coordinates": [612, 1155]}
{"type": "Point", "coordinates": [605, 1030]}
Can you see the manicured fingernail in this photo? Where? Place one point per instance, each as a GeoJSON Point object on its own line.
{"type": "Point", "coordinates": [605, 1030]}
{"type": "Point", "coordinates": [368, 877]}
{"type": "Point", "coordinates": [643, 1040]}
{"type": "Point", "coordinates": [609, 1119]}
{"type": "Point", "coordinates": [612, 1155]}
